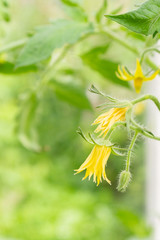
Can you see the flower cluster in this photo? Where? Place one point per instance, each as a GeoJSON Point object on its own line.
{"type": "Point", "coordinates": [120, 114]}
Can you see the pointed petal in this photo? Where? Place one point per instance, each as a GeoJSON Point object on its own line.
{"type": "Point", "coordinates": [152, 76]}
{"type": "Point", "coordinates": [128, 76]}
{"type": "Point", "coordinates": [138, 72]}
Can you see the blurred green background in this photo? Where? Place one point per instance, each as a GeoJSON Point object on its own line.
{"type": "Point", "coordinates": [41, 198]}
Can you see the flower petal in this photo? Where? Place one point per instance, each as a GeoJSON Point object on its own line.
{"type": "Point", "coordinates": [152, 76]}
{"type": "Point", "coordinates": [138, 72]}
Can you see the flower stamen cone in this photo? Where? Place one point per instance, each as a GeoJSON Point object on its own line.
{"type": "Point", "coordinates": [138, 77]}
{"type": "Point", "coordinates": [95, 164]}
{"type": "Point", "coordinates": [106, 120]}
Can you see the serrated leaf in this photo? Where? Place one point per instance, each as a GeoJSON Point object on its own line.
{"type": "Point", "coordinates": [71, 93]}
{"type": "Point", "coordinates": [105, 67]}
{"type": "Point", "coordinates": [101, 11]}
{"type": "Point", "coordinates": [145, 20]}
{"type": "Point", "coordinates": [50, 37]}
{"type": "Point", "coordinates": [74, 10]}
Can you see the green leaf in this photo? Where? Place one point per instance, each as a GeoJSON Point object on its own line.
{"type": "Point", "coordinates": [101, 11]}
{"type": "Point", "coordinates": [145, 20]}
{"type": "Point", "coordinates": [9, 68]}
{"type": "Point", "coordinates": [74, 10]}
{"type": "Point", "coordinates": [26, 128]}
{"type": "Point", "coordinates": [50, 37]}
{"type": "Point", "coordinates": [103, 66]}
{"type": "Point", "coordinates": [71, 93]}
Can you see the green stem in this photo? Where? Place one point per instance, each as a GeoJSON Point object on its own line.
{"type": "Point", "coordinates": [147, 97]}
{"type": "Point", "coordinates": [143, 131]}
{"type": "Point", "coordinates": [121, 41]}
{"type": "Point", "coordinates": [130, 150]}
{"type": "Point", "coordinates": [124, 43]}
{"type": "Point", "coordinates": [13, 45]}
{"type": "Point", "coordinates": [148, 50]}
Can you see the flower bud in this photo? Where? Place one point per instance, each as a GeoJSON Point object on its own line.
{"type": "Point", "coordinates": [124, 180]}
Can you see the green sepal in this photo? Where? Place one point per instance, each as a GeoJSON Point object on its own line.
{"type": "Point", "coordinates": [114, 105]}
{"type": "Point", "coordinates": [79, 131]}
{"type": "Point", "coordinates": [93, 89]}
{"type": "Point", "coordinates": [100, 141]}
{"type": "Point", "coordinates": [117, 153]}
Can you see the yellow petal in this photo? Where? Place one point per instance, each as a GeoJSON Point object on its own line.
{"type": "Point", "coordinates": [138, 73]}
{"type": "Point", "coordinates": [128, 76]}
{"type": "Point", "coordinates": [152, 76]}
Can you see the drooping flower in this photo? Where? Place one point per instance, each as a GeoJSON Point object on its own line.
{"type": "Point", "coordinates": [95, 164]}
{"type": "Point", "coordinates": [107, 119]}
{"type": "Point", "coordinates": [138, 77]}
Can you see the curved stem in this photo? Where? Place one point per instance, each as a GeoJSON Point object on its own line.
{"type": "Point", "coordinates": [130, 150]}
{"type": "Point", "coordinates": [147, 97]}
{"type": "Point", "coordinates": [148, 50]}
{"type": "Point", "coordinates": [142, 131]}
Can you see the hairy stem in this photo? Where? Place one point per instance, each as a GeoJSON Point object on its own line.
{"type": "Point", "coordinates": [130, 150]}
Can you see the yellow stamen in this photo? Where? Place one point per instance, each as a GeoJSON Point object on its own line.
{"type": "Point", "coordinates": [106, 120]}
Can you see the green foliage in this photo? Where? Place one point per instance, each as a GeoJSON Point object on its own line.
{"type": "Point", "coordinates": [74, 10]}
{"type": "Point", "coordinates": [41, 199]}
{"type": "Point", "coordinates": [134, 223]}
{"type": "Point", "coordinates": [9, 68]}
{"type": "Point", "coordinates": [101, 11]}
{"type": "Point", "coordinates": [105, 67]}
{"type": "Point", "coordinates": [71, 93]}
{"type": "Point", "coordinates": [26, 128]}
{"type": "Point", "coordinates": [145, 20]}
{"type": "Point", "coordinates": [50, 37]}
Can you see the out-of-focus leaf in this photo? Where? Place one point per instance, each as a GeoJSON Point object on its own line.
{"type": "Point", "coordinates": [71, 93]}
{"type": "Point", "coordinates": [145, 20]}
{"type": "Point", "coordinates": [134, 223]}
{"type": "Point", "coordinates": [9, 68]}
{"type": "Point", "coordinates": [49, 37]}
{"type": "Point", "coordinates": [26, 128]}
{"type": "Point", "coordinates": [105, 67]}
{"type": "Point", "coordinates": [74, 10]}
{"type": "Point", "coordinates": [101, 11]}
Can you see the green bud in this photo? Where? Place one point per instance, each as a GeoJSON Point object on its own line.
{"type": "Point", "coordinates": [124, 180]}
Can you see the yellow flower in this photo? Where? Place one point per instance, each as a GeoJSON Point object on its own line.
{"type": "Point", "coordinates": [138, 77]}
{"type": "Point", "coordinates": [106, 120]}
{"type": "Point", "coordinates": [95, 164]}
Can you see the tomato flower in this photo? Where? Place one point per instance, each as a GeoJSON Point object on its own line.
{"type": "Point", "coordinates": [138, 77]}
